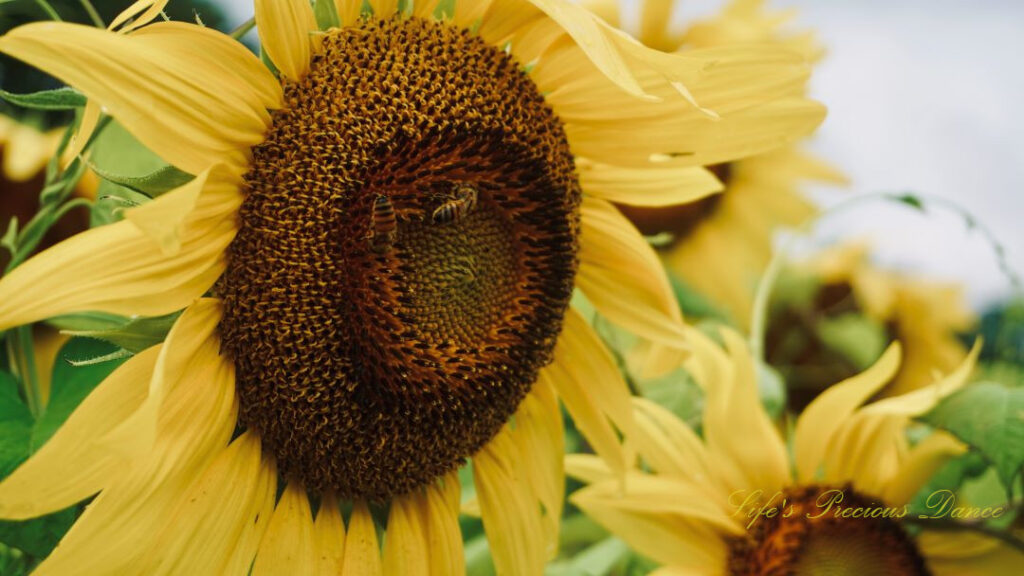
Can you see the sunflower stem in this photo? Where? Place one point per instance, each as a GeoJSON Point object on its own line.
{"type": "Point", "coordinates": [759, 319]}
{"type": "Point", "coordinates": [242, 30]}
{"type": "Point", "coordinates": [49, 10]}
{"type": "Point", "coordinates": [24, 361]}
{"type": "Point", "coordinates": [93, 14]}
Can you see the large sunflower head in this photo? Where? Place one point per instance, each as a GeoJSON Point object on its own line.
{"type": "Point", "coordinates": [741, 500]}
{"type": "Point", "coordinates": [375, 262]}
{"type": "Point", "coordinates": [719, 242]}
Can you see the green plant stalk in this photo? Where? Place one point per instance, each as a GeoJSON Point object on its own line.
{"type": "Point", "coordinates": [244, 28]}
{"type": "Point", "coordinates": [93, 14]}
{"type": "Point", "coordinates": [49, 10]}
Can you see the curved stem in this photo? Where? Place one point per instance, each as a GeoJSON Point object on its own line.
{"type": "Point", "coordinates": [49, 10]}
{"type": "Point", "coordinates": [93, 14]}
{"type": "Point", "coordinates": [244, 28]}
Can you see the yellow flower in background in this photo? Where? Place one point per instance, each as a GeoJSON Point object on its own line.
{"type": "Point", "coordinates": [720, 243]}
{"type": "Point", "coordinates": [737, 502]}
{"type": "Point", "coordinates": [375, 262]}
{"type": "Point", "coordinates": [926, 316]}
{"type": "Point", "coordinates": [25, 149]}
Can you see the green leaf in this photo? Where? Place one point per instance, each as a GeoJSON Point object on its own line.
{"type": "Point", "coordinates": [59, 99]}
{"type": "Point", "coordinates": [136, 335]}
{"type": "Point", "coordinates": [88, 321]}
{"type": "Point", "coordinates": [597, 560]}
{"type": "Point", "coordinates": [153, 184]}
{"type": "Point", "coordinates": [70, 385]}
{"type": "Point", "coordinates": [989, 417]}
{"type": "Point", "coordinates": [38, 536]}
{"type": "Point", "coordinates": [694, 304]}
{"type": "Point", "coordinates": [911, 200]}
{"type": "Point", "coordinates": [326, 14]}
{"type": "Point", "coordinates": [15, 426]}
{"type": "Point", "coordinates": [9, 241]}
{"type": "Point", "coordinates": [857, 337]}
{"type": "Point", "coordinates": [115, 151]}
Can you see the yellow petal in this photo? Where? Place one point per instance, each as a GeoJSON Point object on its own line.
{"type": "Point", "coordinates": [739, 434]}
{"type": "Point", "coordinates": [144, 11]}
{"type": "Point", "coordinates": [405, 545]}
{"type": "Point", "coordinates": [196, 421]}
{"type": "Point", "coordinates": [663, 497]}
{"type": "Point", "coordinates": [924, 399]}
{"type": "Point", "coordinates": [655, 18]}
{"type": "Point", "coordinates": [191, 336]}
{"type": "Point", "coordinates": [348, 11]}
{"type": "Point", "coordinates": [185, 103]}
{"type": "Point", "coordinates": [607, 10]}
{"type": "Point", "coordinates": [164, 219]}
{"type": "Point", "coordinates": [90, 120]}
{"type": "Point", "coordinates": [654, 186]}
{"type": "Point", "coordinates": [820, 420]}
{"type": "Point", "coordinates": [586, 378]}
{"type": "Point", "coordinates": [441, 518]}
{"type": "Point", "coordinates": [866, 451]}
{"type": "Point", "coordinates": [509, 509]}
{"type": "Point", "coordinates": [287, 546]}
{"type": "Point", "coordinates": [362, 553]}
{"type": "Point", "coordinates": [72, 465]}
{"type": "Point", "coordinates": [540, 437]}
{"type": "Point", "coordinates": [588, 469]}
{"type": "Point", "coordinates": [618, 56]}
{"type": "Point", "coordinates": [963, 553]}
{"type": "Point", "coordinates": [923, 461]}
{"type": "Point", "coordinates": [215, 520]}
{"type": "Point", "coordinates": [119, 268]}
{"type": "Point", "coordinates": [668, 445]}
{"type": "Point", "coordinates": [621, 275]}
{"type": "Point", "coordinates": [667, 539]}
{"type": "Point", "coordinates": [329, 538]}
{"type": "Point", "coordinates": [284, 27]}
{"type": "Point", "coordinates": [383, 8]}
{"type": "Point", "coordinates": [27, 152]}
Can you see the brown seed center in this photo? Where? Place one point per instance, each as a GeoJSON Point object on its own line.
{"type": "Point", "coordinates": [406, 254]}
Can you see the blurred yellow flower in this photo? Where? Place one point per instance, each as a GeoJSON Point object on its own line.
{"type": "Point", "coordinates": [721, 242]}
{"type": "Point", "coordinates": [736, 502]}
{"type": "Point", "coordinates": [926, 316]}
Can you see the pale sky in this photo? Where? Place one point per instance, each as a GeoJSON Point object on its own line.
{"type": "Point", "coordinates": [924, 95]}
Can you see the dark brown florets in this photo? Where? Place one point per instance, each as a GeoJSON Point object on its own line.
{"type": "Point", "coordinates": [825, 531]}
{"type": "Point", "coordinates": [376, 348]}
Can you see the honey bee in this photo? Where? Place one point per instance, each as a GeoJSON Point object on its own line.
{"type": "Point", "coordinates": [455, 210]}
{"type": "Point", "coordinates": [383, 225]}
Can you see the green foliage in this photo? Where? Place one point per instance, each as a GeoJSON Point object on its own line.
{"type": "Point", "coordinates": [70, 385]}
{"type": "Point", "coordinates": [136, 334]}
{"type": "Point", "coordinates": [694, 304]}
{"type": "Point", "coordinates": [855, 336]}
{"type": "Point", "coordinates": [115, 151]}
{"type": "Point", "coordinates": [155, 183]}
{"type": "Point", "coordinates": [21, 436]}
{"type": "Point", "coordinates": [58, 99]}
{"type": "Point", "coordinates": [326, 14]}
{"type": "Point", "coordinates": [989, 417]}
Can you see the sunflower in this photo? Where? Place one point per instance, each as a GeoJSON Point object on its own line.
{"type": "Point", "coordinates": [720, 242]}
{"type": "Point", "coordinates": [375, 262]}
{"type": "Point", "coordinates": [926, 316]}
{"type": "Point", "coordinates": [705, 506]}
